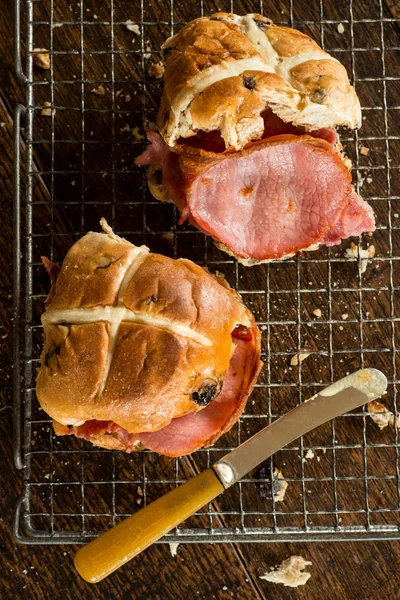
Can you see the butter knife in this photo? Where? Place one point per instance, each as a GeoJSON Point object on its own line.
{"type": "Point", "coordinates": [112, 549]}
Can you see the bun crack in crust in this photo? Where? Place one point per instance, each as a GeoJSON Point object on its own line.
{"type": "Point", "coordinates": [142, 350]}
{"type": "Point", "coordinates": [223, 71]}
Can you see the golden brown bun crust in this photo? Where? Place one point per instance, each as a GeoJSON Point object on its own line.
{"type": "Point", "coordinates": [130, 335]}
{"type": "Point", "coordinates": [222, 71]}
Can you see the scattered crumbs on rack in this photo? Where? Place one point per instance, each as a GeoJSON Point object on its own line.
{"type": "Point", "coordinates": [298, 358]}
{"type": "Point", "coordinates": [309, 455]}
{"type": "Point", "coordinates": [137, 135]}
{"type": "Point", "coordinates": [3, 125]}
{"type": "Point", "coordinates": [99, 91]}
{"type": "Point", "coordinates": [276, 488]}
{"type": "Point", "coordinates": [46, 110]}
{"type": "Point", "coordinates": [73, 182]}
{"type": "Point", "coordinates": [56, 25]}
{"type": "Point", "coordinates": [317, 312]}
{"type": "Point", "coordinates": [345, 316]}
{"type": "Point", "coordinates": [340, 28]}
{"type": "Point", "coordinates": [147, 52]}
{"type": "Point", "coordinates": [173, 548]}
{"type": "Point", "coordinates": [364, 253]}
{"type": "Point", "coordinates": [263, 327]}
{"type": "Point", "coordinates": [139, 499]}
{"type": "Point", "coordinates": [41, 58]}
{"type": "Point", "coordinates": [131, 26]}
{"type": "Point", "coordinates": [290, 572]}
{"type": "Point", "coordinates": [381, 415]}
{"type": "Point", "coordinates": [150, 124]}
{"type": "Point", "coordinates": [364, 150]}
{"type": "Point", "coordinates": [396, 215]}
{"type": "Point", "coordinates": [125, 128]}
{"type": "Point", "coordinates": [120, 94]}
{"type": "Point", "coordinates": [362, 179]}
{"type": "Point", "coordinates": [156, 70]}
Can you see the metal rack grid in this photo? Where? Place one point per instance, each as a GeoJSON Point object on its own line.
{"type": "Point", "coordinates": [343, 478]}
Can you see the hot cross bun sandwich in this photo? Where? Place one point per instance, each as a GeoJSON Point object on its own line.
{"type": "Point", "coordinates": [247, 145]}
{"type": "Point", "coordinates": [143, 351]}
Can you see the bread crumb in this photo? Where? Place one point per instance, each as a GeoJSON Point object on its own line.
{"type": "Point", "coordinates": [73, 182]}
{"type": "Point", "coordinates": [56, 25]}
{"type": "Point", "coordinates": [279, 495]}
{"type": "Point", "coordinates": [364, 150]}
{"type": "Point", "coordinates": [138, 136]}
{"type": "Point", "coordinates": [381, 415]}
{"type": "Point", "coordinates": [364, 253]}
{"type": "Point", "coordinates": [150, 124]}
{"type": "Point", "coordinates": [131, 26]}
{"type": "Point", "coordinates": [340, 28]}
{"type": "Point", "coordinates": [345, 316]}
{"type": "Point", "coordinates": [309, 454]}
{"type": "Point", "coordinates": [42, 58]}
{"type": "Point", "coordinates": [46, 111]}
{"type": "Point", "coordinates": [173, 547]}
{"type": "Point", "coordinates": [156, 70]}
{"type": "Point", "coordinates": [99, 91]}
{"type": "Point", "coordinates": [298, 358]}
{"type": "Point", "coordinates": [275, 486]}
{"type": "Point", "coordinates": [169, 238]}
{"type": "Point", "coordinates": [147, 52]}
{"type": "Point", "coordinates": [317, 312]}
{"type": "Point", "coordinates": [360, 179]}
{"type": "Point", "coordinates": [290, 572]}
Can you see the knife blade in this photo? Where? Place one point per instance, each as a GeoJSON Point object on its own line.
{"type": "Point", "coordinates": [347, 394]}
{"type": "Point", "coordinates": [112, 549]}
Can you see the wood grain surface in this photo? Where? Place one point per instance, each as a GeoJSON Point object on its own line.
{"type": "Point", "coordinates": [353, 571]}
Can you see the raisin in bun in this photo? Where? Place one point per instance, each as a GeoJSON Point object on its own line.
{"type": "Point", "coordinates": [141, 350]}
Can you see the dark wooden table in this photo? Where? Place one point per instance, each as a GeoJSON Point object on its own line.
{"type": "Point", "coordinates": [340, 570]}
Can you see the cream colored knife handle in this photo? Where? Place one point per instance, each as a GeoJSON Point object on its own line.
{"type": "Point", "coordinates": [114, 548]}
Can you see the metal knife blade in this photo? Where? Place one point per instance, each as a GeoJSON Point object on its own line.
{"type": "Point", "coordinates": [340, 397]}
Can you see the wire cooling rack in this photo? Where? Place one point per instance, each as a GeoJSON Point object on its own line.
{"type": "Point", "coordinates": [84, 118]}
